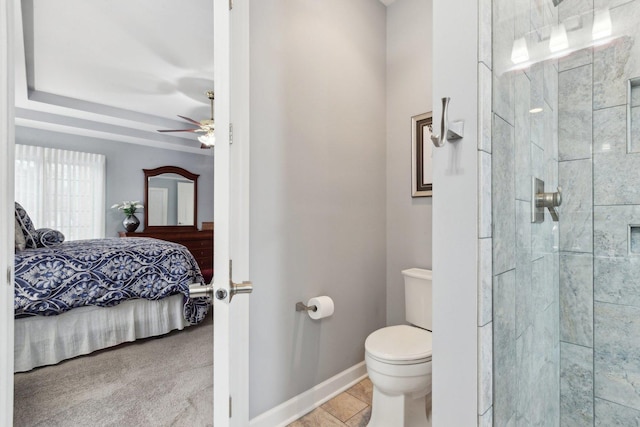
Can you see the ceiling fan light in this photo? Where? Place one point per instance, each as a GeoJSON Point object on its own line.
{"type": "Point", "coordinates": [208, 139]}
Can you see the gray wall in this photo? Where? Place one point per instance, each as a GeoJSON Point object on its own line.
{"type": "Point", "coordinates": [317, 189]}
{"type": "Point", "coordinates": [409, 56]}
{"type": "Point", "coordinates": [124, 164]}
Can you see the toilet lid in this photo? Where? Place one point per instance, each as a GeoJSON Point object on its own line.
{"type": "Point", "coordinates": [399, 343]}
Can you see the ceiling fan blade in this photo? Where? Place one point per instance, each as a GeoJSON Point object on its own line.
{"type": "Point", "coordinates": [177, 130]}
{"type": "Point", "coordinates": [189, 120]}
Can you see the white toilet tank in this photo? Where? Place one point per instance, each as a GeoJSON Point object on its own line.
{"type": "Point", "coordinates": [417, 297]}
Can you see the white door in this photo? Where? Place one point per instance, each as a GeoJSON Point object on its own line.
{"type": "Point", "coordinates": [231, 238]}
{"type": "Point", "coordinates": [6, 212]}
{"type": "Point", "coordinates": [185, 203]}
{"type": "Point", "coordinates": [157, 206]}
{"type": "Point", "coordinates": [231, 213]}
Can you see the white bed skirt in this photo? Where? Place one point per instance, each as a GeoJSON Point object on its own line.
{"type": "Point", "coordinates": [47, 340]}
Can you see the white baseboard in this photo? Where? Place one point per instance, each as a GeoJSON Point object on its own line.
{"type": "Point", "coordinates": [304, 403]}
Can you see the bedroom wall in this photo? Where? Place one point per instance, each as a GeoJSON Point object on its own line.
{"type": "Point", "coordinates": [409, 56]}
{"type": "Point", "coordinates": [125, 179]}
{"type": "Point", "coordinates": [318, 189]}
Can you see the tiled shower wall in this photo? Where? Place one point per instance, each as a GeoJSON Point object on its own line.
{"type": "Point", "coordinates": [599, 263]}
{"type": "Point", "coordinates": [521, 276]}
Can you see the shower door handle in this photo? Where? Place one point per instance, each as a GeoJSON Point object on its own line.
{"type": "Point", "coordinates": [448, 131]}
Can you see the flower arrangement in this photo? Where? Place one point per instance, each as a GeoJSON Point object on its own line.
{"type": "Point", "coordinates": [129, 208]}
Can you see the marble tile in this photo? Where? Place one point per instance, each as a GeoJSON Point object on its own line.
{"type": "Point", "coordinates": [504, 345]}
{"type": "Point", "coordinates": [503, 197]}
{"type": "Point", "coordinates": [503, 96]}
{"type": "Point", "coordinates": [569, 8]}
{"type": "Point", "coordinates": [610, 130]}
{"type": "Point", "coordinates": [576, 385]}
{"type": "Point", "coordinates": [576, 226]}
{"type": "Point", "coordinates": [484, 107]}
{"type": "Point", "coordinates": [315, 418]}
{"type": "Point", "coordinates": [617, 345]}
{"type": "Point", "coordinates": [575, 114]}
{"type": "Point", "coordinates": [522, 135]}
{"type": "Point", "coordinates": [576, 299]}
{"type": "Point", "coordinates": [521, 18]}
{"type": "Point", "coordinates": [538, 285]}
{"type": "Point", "coordinates": [616, 280]}
{"type": "Point", "coordinates": [601, 4]}
{"type": "Point", "coordinates": [634, 130]}
{"type": "Point", "coordinates": [363, 391]}
{"type": "Point", "coordinates": [484, 32]}
{"type": "Point", "coordinates": [485, 374]}
{"type": "Point", "coordinates": [551, 83]}
{"type": "Point", "coordinates": [617, 62]}
{"type": "Point", "coordinates": [524, 299]}
{"type": "Point", "coordinates": [536, 77]}
{"type": "Point", "coordinates": [545, 396]}
{"type": "Point", "coordinates": [344, 406]}
{"type": "Point", "coordinates": [611, 229]}
{"type": "Point", "coordinates": [503, 36]}
{"type": "Point", "coordinates": [577, 59]}
{"type": "Point", "coordinates": [525, 380]}
{"type": "Point", "coordinates": [621, 187]}
{"type": "Point", "coordinates": [485, 274]}
{"type": "Point", "coordinates": [484, 204]}
{"type": "Point", "coordinates": [486, 419]}
{"type": "Point", "coordinates": [610, 414]}
{"type": "Point", "coordinates": [361, 419]}
{"type": "Point", "coordinates": [537, 13]}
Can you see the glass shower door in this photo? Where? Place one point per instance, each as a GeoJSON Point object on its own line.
{"type": "Point", "coordinates": [566, 294]}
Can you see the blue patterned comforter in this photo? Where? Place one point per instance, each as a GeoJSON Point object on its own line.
{"type": "Point", "coordinates": [105, 272]}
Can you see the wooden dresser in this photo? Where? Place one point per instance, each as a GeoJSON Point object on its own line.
{"type": "Point", "coordinates": [199, 243]}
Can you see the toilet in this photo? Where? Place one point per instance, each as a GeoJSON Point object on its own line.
{"type": "Point", "coordinates": [398, 359]}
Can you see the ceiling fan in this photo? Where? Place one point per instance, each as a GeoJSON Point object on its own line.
{"type": "Point", "coordinates": [206, 126]}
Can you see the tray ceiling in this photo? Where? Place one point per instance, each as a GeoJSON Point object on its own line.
{"type": "Point", "coordinates": [116, 69]}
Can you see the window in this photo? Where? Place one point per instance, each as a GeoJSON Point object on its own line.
{"type": "Point", "coordinates": [62, 190]}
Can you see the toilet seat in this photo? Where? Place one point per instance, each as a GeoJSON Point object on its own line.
{"type": "Point", "coordinates": [400, 345]}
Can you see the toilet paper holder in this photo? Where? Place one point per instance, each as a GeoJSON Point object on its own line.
{"type": "Point", "coordinates": [300, 306]}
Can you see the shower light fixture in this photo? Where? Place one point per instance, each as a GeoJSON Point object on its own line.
{"type": "Point", "coordinates": [558, 40]}
{"type": "Point", "coordinates": [519, 52]}
{"type": "Point", "coordinates": [601, 25]}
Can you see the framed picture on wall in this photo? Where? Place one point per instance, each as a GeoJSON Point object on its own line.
{"type": "Point", "coordinates": [421, 168]}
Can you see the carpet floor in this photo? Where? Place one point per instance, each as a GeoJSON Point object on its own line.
{"type": "Point", "coordinates": [164, 381]}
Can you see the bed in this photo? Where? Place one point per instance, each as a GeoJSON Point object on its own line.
{"type": "Point", "coordinates": [77, 297]}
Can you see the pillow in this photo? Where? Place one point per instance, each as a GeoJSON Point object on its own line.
{"type": "Point", "coordinates": [21, 243]}
{"type": "Point", "coordinates": [47, 238]}
{"type": "Point", "coordinates": [28, 230]}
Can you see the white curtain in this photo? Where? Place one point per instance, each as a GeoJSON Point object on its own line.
{"type": "Point", "coordinates": [63, 190]}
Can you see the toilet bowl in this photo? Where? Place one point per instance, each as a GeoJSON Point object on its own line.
{"type": "Point", "coordinates": [398, 360]}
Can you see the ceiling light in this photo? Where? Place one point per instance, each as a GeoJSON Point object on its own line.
{"type": "Point", "coordinates": [519, 52]}
{"type": "Point", "coordinates": [601, 25]}
{"type": "Point", "coordinates": [558, 40]}
{"type": "Point", "coordinates": [208, 139]}
{"type": "Point", "coordinates": [536, 110]}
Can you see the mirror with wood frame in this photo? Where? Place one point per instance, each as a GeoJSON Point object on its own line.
{"type": "Point", "coordinates": [170, 199]}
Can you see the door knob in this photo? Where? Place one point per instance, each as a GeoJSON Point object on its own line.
{"type": "Point", "coordinates": [196, 290]}
{"type": "Point", "coordinates": [245, 287]}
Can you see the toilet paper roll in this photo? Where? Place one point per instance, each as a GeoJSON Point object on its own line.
{"type": "Point", "coordinates": [324, 307]}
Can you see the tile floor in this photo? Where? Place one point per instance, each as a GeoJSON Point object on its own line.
{"type": "Point", "coordinates": [350, 408]}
